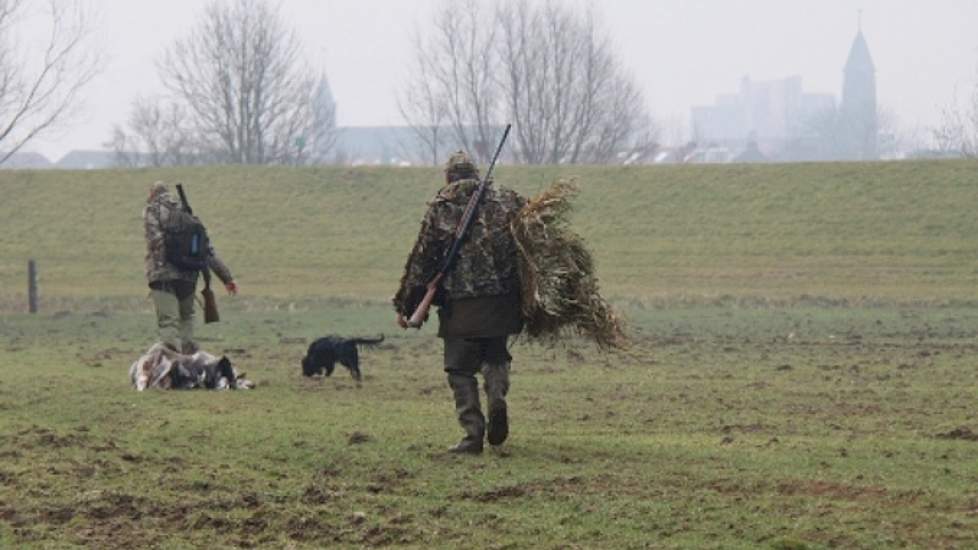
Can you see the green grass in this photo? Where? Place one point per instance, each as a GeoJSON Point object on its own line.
{"type": "Point", "coordinates": [859, 232]}
{"type": "Point", "coordinates": [803, 335]}
{"type": "Point", "coordinates": [721, 427]}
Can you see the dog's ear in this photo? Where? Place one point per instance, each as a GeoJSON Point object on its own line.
{"type": "Point", "coordinates": [224, 363]}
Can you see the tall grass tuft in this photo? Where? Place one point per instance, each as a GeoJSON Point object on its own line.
{"type": "Point", "coordinates": [559, 286]}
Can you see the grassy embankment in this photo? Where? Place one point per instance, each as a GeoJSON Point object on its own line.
{"type": "Point", "coordinates": [891, 231]}
{"type": "Point", "coordinates": [804, 335]}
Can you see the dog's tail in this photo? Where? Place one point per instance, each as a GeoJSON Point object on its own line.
{"type": "Point", "coordinates": [367, 341]}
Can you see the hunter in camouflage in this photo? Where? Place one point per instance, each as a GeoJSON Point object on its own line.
{"type": "Point", "coordinates": [479, 301]}
{"type": "Point", "coordinates": [171, 288]}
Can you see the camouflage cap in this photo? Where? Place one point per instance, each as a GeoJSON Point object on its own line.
{"type": "Point", "coordinates": [460, 166]}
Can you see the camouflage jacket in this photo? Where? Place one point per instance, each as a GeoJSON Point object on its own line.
{"type": "Point", "coordinates": [486, 264]}
{"type": "Point", "coordinates": [155, 218]}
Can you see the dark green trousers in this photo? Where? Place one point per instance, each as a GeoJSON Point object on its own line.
{"type": "Point", "coordinates": [464, 357]}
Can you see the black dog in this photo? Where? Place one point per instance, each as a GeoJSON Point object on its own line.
{"type": "Point", "coordinates": [325, 352]}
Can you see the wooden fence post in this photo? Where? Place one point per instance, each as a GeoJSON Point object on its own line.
{"type": "Point", "coordinates": [32, 286]}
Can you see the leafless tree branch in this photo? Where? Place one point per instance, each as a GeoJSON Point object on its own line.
{"type": "Point", "coordinates": [158, 135]}
{"type": "Point", "coordinates": [957, 131]}
{"type": "Point", "coordinates": [39, 91]}
{"type": "Point", "coordinates": [541, 64]}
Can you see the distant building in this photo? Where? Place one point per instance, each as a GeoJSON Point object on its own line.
{"type": "Point", "coordinates": [770, 113]}
{"type": "Point", "coordinates": [709, 155]}
{"type": "Point", "coordinates": [778, 120]}
{"type": "Point", "coordinates": [25, 161]}
{"type": "Point", "coordinates": [859, 124]}
{"type": "Point", "coordinates": [403, 146]}
{"type": "Point", "coordinates": [376, 145]}
{"type": "Point", "coordinates": [87, 160]}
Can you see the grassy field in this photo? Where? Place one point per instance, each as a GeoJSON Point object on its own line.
{"type": "Point", "coordinates": [802, 372]}
{"type": "Point", "coordinates": [859, 232]}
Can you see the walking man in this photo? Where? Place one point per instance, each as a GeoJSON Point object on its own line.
{"type": "Point", "coordinates": [172, 287]}
{"type": "Point", "coordinates": [479, 299]}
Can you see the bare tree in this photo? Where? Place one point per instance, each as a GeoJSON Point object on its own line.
{"type": "Point", "coordinates": [542, 65]}
{"type": "Point", "coordinates": [247, 90]}
{"type": "Point", "coordinates": [827, 134]}
{"type": "Point", "coordinates": [623, 133]}
{"type": "Point", "coordinates": [158, 135]}
{"type": "Point", "coordinates": [957, 132]}
{"type": "Point", "coordinates": [39, 90]}
{"type": "Point", "coordinates": [453, 81]}
{"type": "Point", "coordinates": [463, 66]}
{"type": "Point", "coordinates": [319, 139]}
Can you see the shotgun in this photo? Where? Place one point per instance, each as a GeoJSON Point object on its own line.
{"type": "Point", "coordinates": [211, 314]}
{"type": "Point", "coordinates": [461, 230]}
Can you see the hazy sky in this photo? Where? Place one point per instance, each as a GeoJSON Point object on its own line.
{"type": "Point", "coordinates": [682, 52]}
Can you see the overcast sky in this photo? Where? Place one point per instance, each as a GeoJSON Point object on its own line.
{"type": "Point", "coordinates": [682, 52]}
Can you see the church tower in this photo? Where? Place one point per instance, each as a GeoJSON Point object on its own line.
{"type": "Point", "coordinates": [857, 110]}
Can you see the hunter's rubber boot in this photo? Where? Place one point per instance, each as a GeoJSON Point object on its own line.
{"type": "Point", "coordinates": [497, 386]}
{"type": "Point", "coordinates": [469, 413]}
